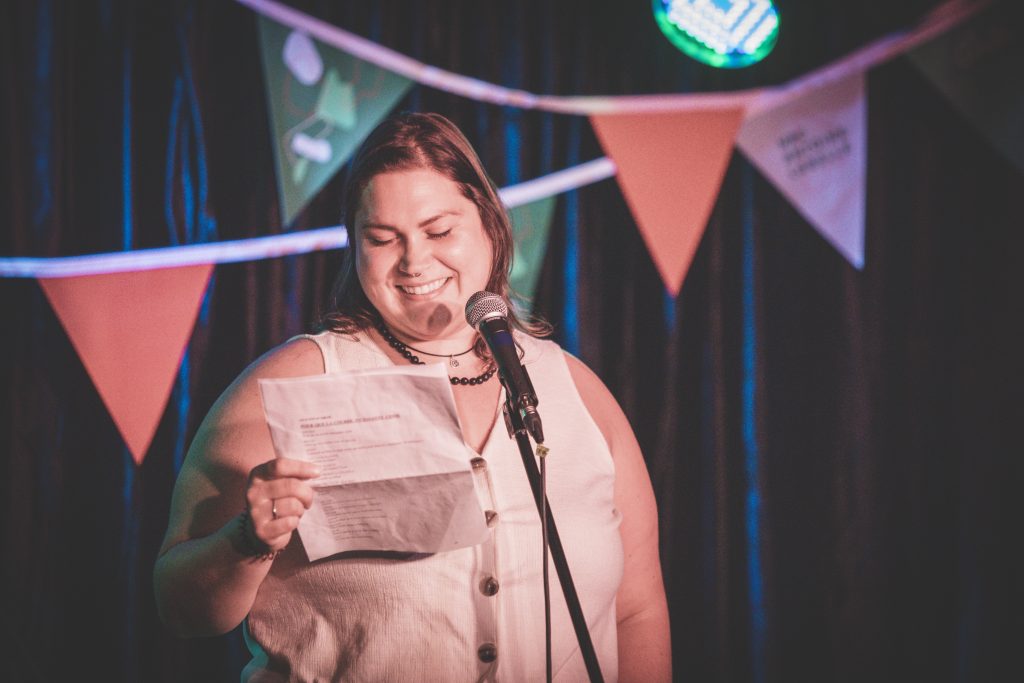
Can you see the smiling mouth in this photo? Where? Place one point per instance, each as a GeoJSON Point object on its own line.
{"type": "Point", "coordinates": [427, 288]}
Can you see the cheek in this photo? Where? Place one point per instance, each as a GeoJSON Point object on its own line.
{"type": "Point", "coordinates": [492, 264]}
{"type": "Point", "coordinates": [471, 261]}
{"type": "Point", "coordinates": [360, 267]}
{"type": "Point", "coordinates": [488, 267]}
{"type": "Point", "coordinates": [368, 267]}
{"type": "Point", "coordinates": [367, 272]}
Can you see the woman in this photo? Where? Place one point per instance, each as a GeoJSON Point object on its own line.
{"type": "Point", "coordinates": [427, 231]}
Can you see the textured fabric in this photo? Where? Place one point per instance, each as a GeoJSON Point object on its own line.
{"type": "Point", "coordinates": [368, 617]}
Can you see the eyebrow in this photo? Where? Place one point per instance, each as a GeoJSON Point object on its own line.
{"type": "Point", "coordinates": [422, 224]}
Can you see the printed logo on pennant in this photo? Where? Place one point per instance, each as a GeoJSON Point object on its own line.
{"type": "Point", "coordinates": [323, 102]}
{"type": "Point", "coordinates": [813, 149]}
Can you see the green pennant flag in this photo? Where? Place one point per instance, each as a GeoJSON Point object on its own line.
{"type": "Point", "coordinates": [531, 224]}
{"type": "Point", "coordinates": [323, 102]}
{"type": "Point", "coordinates": [977, 66]}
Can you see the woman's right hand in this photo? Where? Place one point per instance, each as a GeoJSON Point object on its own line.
{"type": "Point", "coordinates": [277, 495]}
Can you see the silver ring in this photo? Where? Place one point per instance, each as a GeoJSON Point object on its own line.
{"type": "Point", "coordinates": [273, 510]}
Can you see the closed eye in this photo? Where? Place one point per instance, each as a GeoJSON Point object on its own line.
{"type": "Point", "coordinates": [439, 235]}
{"type": "Point", "coordinates": [379, 238]}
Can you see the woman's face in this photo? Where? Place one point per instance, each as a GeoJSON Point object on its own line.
{"type": "Point", "coordinates": [422, 252]}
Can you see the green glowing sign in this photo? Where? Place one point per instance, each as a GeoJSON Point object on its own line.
{"type": "Point", "coordinates": [722, 33]}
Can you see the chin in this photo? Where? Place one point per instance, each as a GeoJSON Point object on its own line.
{"type": "Point", "coordinates": [431, 319]}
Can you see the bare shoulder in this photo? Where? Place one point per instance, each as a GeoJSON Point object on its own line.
{"type": "Point", "coordinates": [296, 358]}
{"type": "Point", "coordinates": [240, 405]}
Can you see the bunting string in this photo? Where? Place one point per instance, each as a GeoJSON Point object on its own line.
{"type": "Point", "coordinates": [939, 20]}
{"type": "Point", "coordinates": [274, 246]}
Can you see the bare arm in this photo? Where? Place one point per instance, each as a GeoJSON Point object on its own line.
{"type": "Point", "coordinates": [205, 582]}
{"type": "Point", "coordinates": [645, 652]}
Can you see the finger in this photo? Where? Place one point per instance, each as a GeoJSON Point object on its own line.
{"type": "Point", "coordinates": [279, 508]}
{"type": "Point", "coordinates": [284, 467]}
{"type": "Point", "coordinates": [259, 492]}
{"type": "Point", "coordinates": [275, 532]}
{"type": "Point", "coordinates": [270, 511]}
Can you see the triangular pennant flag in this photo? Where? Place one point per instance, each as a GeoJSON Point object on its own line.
{"type": "Point", "coordinates": [977, 66]}
{"type": "Point", "coordinates": [531, 224]}
{"type": "Point", "coordinates": [130, 330]}
{"type": "Point", "coordinates": [323, 103]}
{"type": "Point", "coordinates": [670, 168]}
{"type": "Point", "coordinates": [813, 149]}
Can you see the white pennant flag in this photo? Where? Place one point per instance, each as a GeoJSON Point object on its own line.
{"type": "Point", "coordinates": [813, 148]}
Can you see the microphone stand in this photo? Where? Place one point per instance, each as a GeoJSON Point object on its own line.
{"type": "Point", "coordinates": [549, 533]}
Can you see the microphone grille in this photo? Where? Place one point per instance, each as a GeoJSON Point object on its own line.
{"type": "Point", "coordinates": [482, 305]}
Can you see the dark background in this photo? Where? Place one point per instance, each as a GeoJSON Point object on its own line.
{"type": "Point", "coordinates": [835, 452]}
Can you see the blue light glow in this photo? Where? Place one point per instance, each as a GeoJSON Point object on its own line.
{"type": "Point", "coordinates": [751, 447]}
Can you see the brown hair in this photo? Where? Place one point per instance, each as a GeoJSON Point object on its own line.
{"type": "Point", "coordinates": [430, 141]}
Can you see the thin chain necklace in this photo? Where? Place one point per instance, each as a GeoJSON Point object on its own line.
{"type": "Point", "coordinates": [450, 356]}
{"type": "Point", "coordinates": [407, 353]}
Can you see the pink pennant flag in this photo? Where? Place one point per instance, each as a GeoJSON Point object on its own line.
{"type": "Point", "coordinates": [670, 168]}
{"type": "Point", "coordinates": [813, 149]}
{"type": "Point", "coordinates": [130, 330]}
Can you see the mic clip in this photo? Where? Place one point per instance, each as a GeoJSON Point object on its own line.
{"type": "Point", "coordinates": [527, 420]}
{"type": "Point", "coordinates": [508, 420]}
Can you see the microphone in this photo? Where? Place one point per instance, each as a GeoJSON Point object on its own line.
{"type": "Point", "coordinates": [488, 314]}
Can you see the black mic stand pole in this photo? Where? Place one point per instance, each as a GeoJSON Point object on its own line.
{"type": "Point", "coordinates": [549, 532]}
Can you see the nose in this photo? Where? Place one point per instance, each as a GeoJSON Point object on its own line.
{"type": "Point", "coordinates": [415, 257]}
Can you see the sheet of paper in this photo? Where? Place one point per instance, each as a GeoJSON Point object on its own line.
{"type": "Point", "coordinates": [395, 469]}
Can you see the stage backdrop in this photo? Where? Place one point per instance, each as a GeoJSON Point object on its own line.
{"type": "Point", "coordinates": [834, 451]}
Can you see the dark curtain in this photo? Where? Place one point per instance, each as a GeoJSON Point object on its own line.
{"type": "Point", "coordinates": [834, 451]}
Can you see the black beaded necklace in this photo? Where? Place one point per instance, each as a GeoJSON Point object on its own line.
{"type": "Point", "coordinates": [407, 353]}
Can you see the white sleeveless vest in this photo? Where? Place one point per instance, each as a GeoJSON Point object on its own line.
{"type": "Point", "coordinates": [475, 614]}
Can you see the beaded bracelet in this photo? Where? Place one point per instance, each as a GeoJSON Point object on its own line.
{"type": "Point", "coordinates": [252, 546]}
